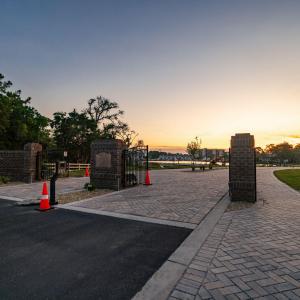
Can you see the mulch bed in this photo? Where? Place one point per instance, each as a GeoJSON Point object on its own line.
{"type": "Point", "coordinates": [77, 196]}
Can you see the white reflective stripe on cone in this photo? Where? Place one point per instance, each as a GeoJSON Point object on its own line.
{"type": "Point", "coordinates": [43, 197]}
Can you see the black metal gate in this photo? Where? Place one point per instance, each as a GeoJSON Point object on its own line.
{"type": "Point", "coordinates": [135, 165]}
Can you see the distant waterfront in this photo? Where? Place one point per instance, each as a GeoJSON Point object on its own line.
{"type": "Point", "coordinates": [181, 162]}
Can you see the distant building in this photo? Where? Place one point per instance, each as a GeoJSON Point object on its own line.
{"type": "Point", "coordinates": [212, 154]}
{"type": "Point", "coordinates": [206, 155]}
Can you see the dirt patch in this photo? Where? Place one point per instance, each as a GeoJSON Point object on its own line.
{"type": "Point", "coordinates": [77, 196]}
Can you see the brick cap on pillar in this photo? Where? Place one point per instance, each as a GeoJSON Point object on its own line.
{"type": "Point", "coordinates": [242, 139]}
{"type": "Point", "coordinates": [108, 141]}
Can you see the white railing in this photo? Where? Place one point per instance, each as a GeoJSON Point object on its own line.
{"type": "Point", "coordinates": [77, 166]}
{"type": "Point", "coordinates": [71, 166]}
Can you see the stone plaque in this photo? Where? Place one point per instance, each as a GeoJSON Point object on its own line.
{"type": "Point", "coordinates": [103, 160]}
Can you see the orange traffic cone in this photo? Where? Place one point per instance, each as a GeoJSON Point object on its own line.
{"type": "Point", "coordinates": [44, 203]}
{"type": "Point", "coordinates": [147, 178]}
{"type": "Point", "coordinates": [87, 174]}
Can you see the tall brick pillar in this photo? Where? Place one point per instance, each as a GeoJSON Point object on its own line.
{"type": "Point", "coordinates": [107, 164]}
{"type": "Point", "coordinates": [31, 151]}
{"type": "Point", "coordinates": [242, 168]}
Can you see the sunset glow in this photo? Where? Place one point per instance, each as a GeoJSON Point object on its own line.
{"type": "Point", "coordinates": [178, 69]}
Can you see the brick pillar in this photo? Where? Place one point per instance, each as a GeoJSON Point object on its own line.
{"type": "Point", "coordinates": [31, 151]}
{"type": "Point", "coordinates": [107, 163]}
{"type": "Point", "coordinates": [242, 168]}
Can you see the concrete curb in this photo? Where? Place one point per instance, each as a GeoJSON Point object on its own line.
{"type": "Point", "coordinates": [95, 198]}
{"type": "Point", "coordinates": [11, 198]}
{"type": "Point", "coordinates": [127, 216]}
{"type": "Point", "coordinates": [13, 185]}
{"type": "Point", "coordinates": [160, 285]}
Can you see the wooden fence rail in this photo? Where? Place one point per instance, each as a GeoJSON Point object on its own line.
{"type": "Point", "coordinates": [70, 166]}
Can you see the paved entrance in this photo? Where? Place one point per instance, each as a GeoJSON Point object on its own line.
{"type": "Point", "coordinates": [33, 190]}
{"type": "Point", "coordinates": [64, 254]}
{"type": "Point", "coordinates": [176, 195]}
{"type": "Point", "coordinates": [252, 253]}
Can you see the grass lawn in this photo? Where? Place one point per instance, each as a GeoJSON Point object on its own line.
{"type": "Point", "coordinates": [77, 173]}
{"type": "Point", "coordinates": [290, 176]}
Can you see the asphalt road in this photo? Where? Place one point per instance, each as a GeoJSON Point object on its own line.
{"type": "Point", "coordinates": [62, 254]}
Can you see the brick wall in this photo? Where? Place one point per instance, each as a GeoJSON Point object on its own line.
{"type": "Point", "coordinates": [12, 164]}
{"type": "Point", "coordinates": [107, 163]}
{"type": "Point", "coordinates": [20, 165]}
{"type": "Point", "coordinates": [242, 168]}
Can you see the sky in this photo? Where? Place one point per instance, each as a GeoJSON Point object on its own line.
{"type": "Point", "coordinates": [178, 69]}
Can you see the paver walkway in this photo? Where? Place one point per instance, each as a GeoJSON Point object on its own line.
{"type": "Point", "coordinates": [33, 191]}
{"type": "Point", "coordinates": [252, 253]}
{"type": "Point", "coordinates": [177, 195]}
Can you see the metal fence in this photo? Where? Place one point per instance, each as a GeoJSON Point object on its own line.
{"type": "Point", "coordinates": [135, 165]}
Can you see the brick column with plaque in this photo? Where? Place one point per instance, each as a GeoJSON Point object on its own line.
{"type": "Point", "coordinates": [242, 168]}
{"type": "Point", "coordinates": [107, 164]}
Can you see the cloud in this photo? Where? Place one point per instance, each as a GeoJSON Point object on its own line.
{"type": "Point", "coordinates": [294, 136]}
{"type": "Point", "coordinates": [284, 135]}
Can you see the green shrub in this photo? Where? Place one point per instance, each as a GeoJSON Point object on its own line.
{"type": "Point", "coordinates": [4, 179]}
{"type": "Point", "coordinates": [89, 187]}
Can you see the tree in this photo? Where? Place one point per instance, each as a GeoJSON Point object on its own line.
{"type": "Point", "coordinates": [194, 148]}
{"type": "Point", "coordinates": [113, 130]}
{"type": "Point", "coordinates": [20, 122]}
{"type": "Point", "coordinates": [297, 153]}
{"type": "Point", "coordinates": [297, 147]}
{"type": "Point", "coordinates": [106, 114]}
{"type": "Point", "coordinates": [140, 143]}
{"type": "Point", "coordinates": [259, 150]}
{"type": "Point", "coordinates": [102, 110]}
{"type": "Point", "coordinates": [127, 135]}
{"type": "Point", "coordinates": [270, 148]}
{"type": "Point", "coordinates": [74, 133]}
{"type": "Point", "coordinates": [260, 154]}
{"type": "Point", "coordinates": [281, 152]}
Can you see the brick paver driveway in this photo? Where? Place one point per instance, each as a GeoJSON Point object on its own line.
{"type": "Point", "coordinates": [177, 195]}
{"type": "Point", "coordinates": [33, 191]}
{"type": "Point", "coordinates": [252, 253]}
